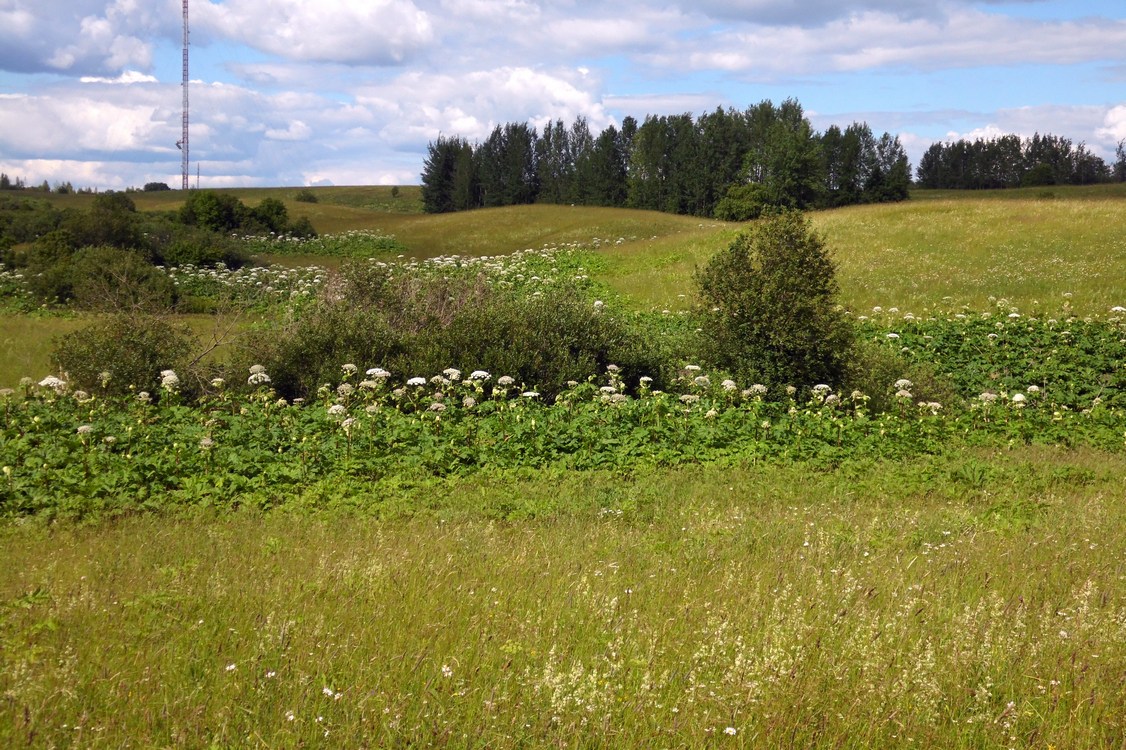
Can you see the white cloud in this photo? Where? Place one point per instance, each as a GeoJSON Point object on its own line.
{"type": "Point", "coordinates": [1113, 129]}
{"type": "Point", "coordinates": [374, 32]}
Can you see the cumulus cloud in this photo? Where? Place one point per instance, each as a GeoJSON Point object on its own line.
{"type": "Point", "coordinates": [374, 32]}
{"type": "Point", "coordinates": [81, 37]}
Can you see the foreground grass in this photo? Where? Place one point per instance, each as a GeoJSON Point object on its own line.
{"type": "Point", "coordinates": [969, 601]}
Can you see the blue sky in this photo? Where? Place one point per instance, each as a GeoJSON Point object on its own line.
{"type": "Point", "coordinates": [299, 92]}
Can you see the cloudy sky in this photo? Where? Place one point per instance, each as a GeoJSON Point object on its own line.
{"type": "Point", "coordinates": [293, 92]}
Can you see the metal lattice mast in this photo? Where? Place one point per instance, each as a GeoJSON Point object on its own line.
{"type": "Point", "coordinates": [183, 144]}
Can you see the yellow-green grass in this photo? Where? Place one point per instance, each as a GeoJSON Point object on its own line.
{"type": "Point", "coordinates": [934, 252]}
{"type": "Point", "coordinates": [974, 601]}
{"type": "Point", "coordinates": [26, 342]}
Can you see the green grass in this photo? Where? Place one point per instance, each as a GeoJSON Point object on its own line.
{"type": "Point", "coordinates": [973, 602]}
{"type": "Point", "coordinates": [26, 343]}
{"type": "Point", "coordinates": [934, 251]}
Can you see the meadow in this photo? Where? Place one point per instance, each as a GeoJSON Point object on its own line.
{"type": "Point", "coordinates": [456, 560]}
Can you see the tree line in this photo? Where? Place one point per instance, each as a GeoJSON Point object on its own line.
{"type": "Point", "coordinates": [1009, 161]}
{"type": "Point", "coordinates": [728, 163]}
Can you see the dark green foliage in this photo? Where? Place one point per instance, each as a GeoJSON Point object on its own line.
{"type": "Point", "coordinates": [132, 347]}
{"type": "Point", "coordinates": [113, 280]}
{"type": "Point", "coordinates": [1040, 175]}
{"type": "Point", "coordinates": [875, 368]}
{"type": "Point", "coordinates": [1007, 161]}
{"type": "Point", "coordinates": [770, 312]}
{"type": "Point", "coordinates": [95, 278]}
{"type": "Point", "coordinates": [112, 221]}
{"type": "Point", "coordinates": [305, 196]}
{"type": "Point", "coordinates": [177, 244]}
{"type": "Point", "coordinates": [672, 163]}
{"type": "Point", "coordinates": [742, 203]}
{"type": "Point", "coordinates": [216, 212]}
{"type": "Point", "coordinates": [420, 326]}
{"type": "Point", "coordinates": [155, 187]}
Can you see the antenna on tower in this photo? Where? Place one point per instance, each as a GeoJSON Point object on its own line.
{"type": "Point", "coordinates": [182, 144]}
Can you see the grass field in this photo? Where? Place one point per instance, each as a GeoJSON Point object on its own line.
{"type": "Point", "coordinates": [976, 602]}
{"type": "Point", "coordinates": [961, 597]}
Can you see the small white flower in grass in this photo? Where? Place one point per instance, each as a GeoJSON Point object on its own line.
{"type": "Point", "coordinates": [903, 383]}
{"type": "Point", "coordinates": [257, 370]}
{"type": "Point", "coordinates": [821, 389]}
{"type": "Point", "coordinates": [702, 380]}
{"type": "Point", "coordinates": [530, 394]}
{"type": "Point", "coordinates": [109, 440]}
{"type": "Point", "coordinates": [791, 390]}
{"type": "Point", "coordinates": [85, 429]}
{"type": "Point", "coordinates": [206, 444]}
{"type": "Point", "coordinates": [692, 368]}
{"type": "Point", "coordinates": [598, 304]}
{"type": "Point", "coordinates": [1019, 398]}
{"type": "Point", "coordinates": [903, 393]}
{"type": "Point", "coordinates": [378, 372]}
{"type": "Point", "coordinates": [689, 398]}
{"type": "Point", "coordinates": [479, 375]}
{"type": "Point", "coordinates": [645, 380]}
{"type": "Point", "coordinates": [711, 414]}
{"type": "Point", "coordinates": [452, 373]}
{"type": "Point", "coordinates": [218, 383]}
{"type": "Point", "coordinates": [505, 381]}
{"type": "Point", "coordinates": [613, 368]}
{"type": "Point", "coordinates": [349, 369]}
{"type": "Point", "coordinates": [232, 667]}
{"type": "Point", "coordinates": [832, 398]}
{"type": "Point", "coordinates": [258, 378]}
{"type": "Point", "coordinates": [988, 397]}
{"type": "Point", "coordinates": [416, 381]}
{"type": "Point", "coordinates": [729, 385]}
{"type": "Point", "coordinates": [336, 410]}
{"type": "Point", "coordinates": [731, 731]}
{"type": "Point", "coordinates": [893, 336]}
{"type": "Point", "coordinates": [469, 402]}
{"type": "Point", "coordinates": [1033, 389]}
{"type": "Point", "coordinates": [1118, 309]}
{"type": "Point", "coordinates": [447, 671]}
{"type": "Point", "coordinates": [437, 407]}
{"type": "Point", "coordinates": [144, 397]}
{"type": "Point", "coordinates": [290, 716]}
{"type": "Point", "coordinates": [344, 390]}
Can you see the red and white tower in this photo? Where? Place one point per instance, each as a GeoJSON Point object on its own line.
{"type": "Point", "coordinates": [183, 142]}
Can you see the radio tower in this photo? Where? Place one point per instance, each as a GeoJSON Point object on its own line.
{"type": "Point", "coordinates": [183, 142]}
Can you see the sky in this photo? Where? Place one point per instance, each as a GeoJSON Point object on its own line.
{"type": "Point", "coordinates": [350, 92]}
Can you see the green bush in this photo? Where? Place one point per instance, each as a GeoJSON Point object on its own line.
{"type": "Point", "coordinates": [112, 280]}
{"type": "Point", "coordinates": [770, 312]}
{"type": "Point", "coordinates": [133, 348]}
{"type": "Point", "coordinates": [875, 370]}
{"type": "Point", "coordinates": [305, 196]}
{"type": "Point", "coordinates": [419, 326]}
{"type": "Point", "coordinates": [743, 203]}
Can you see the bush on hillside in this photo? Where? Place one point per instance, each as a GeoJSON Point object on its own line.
{"type": "Point", "coordinates": [770, 312]}
{"type": "Point", "coordinates": [414, 326]}
{"type": "Point", "coordinates": [125, 352]}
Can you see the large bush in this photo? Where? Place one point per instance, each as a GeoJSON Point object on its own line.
{"type": "Point", "coordinates": [770, 311]}
{"type": "Point", "coordinates": [418, 326]}
{"type": "Point", "coordinates": [123, 352]}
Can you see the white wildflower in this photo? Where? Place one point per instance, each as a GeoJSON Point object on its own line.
{"type": "Point", "coordinates": [417, 381]}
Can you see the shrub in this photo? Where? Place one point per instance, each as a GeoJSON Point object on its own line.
{"type": "Point", "coordinates": [874, 369]}
{"type": "Point", "coordinates": [413, 325]}
{"type": "Point", "coordinates": [770, 311]}
{"type": "Point", "coordinates": [133, 348]}
{"type": "Point", "coordinates": [155, 187]}
{"type": "Point", "coordinates": [305, 196]}
{"type": "Point", "coordinates": [113, 280]}
{"type": "Point", "coordinates": [743, 203]}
